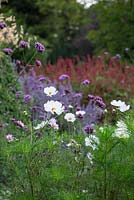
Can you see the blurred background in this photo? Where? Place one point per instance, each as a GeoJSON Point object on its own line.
{"type": "Point", "coordinates": [71, 27]}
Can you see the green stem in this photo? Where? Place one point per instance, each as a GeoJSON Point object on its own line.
{"type": "Point", "coordinates": [105, 172]}
{"type": "Point", "coordinates": [31, 134]}
{"type": "Point", "coordinates": [24, 67]}
{"type": "Point", "coordinates": [29, 170]}
{"type": "Point", "coordinates": [31, 58]}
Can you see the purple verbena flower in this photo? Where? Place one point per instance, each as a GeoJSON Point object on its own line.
{"type": "Point", "coordinates": [86, 82]}
{"type": "Point", "coordinates": [98, 98]}
{"type": "Point", "coordinates": [10, 137]}
{"type": "Point", "coordinates": [77, 95]}
{"type": "Point", "coordinates": [27, 98]}
{"type": "Point", "coordinates": [101, 104]}
{"type": "Point", "coordinates": [38, 63]}
{"type": "Point", "coordinates": [91, 97]}
{"type": "Point", "coordinates": [18, 93]}
{"type": "Point", "coordinates": [89, 129]}
{"type": "Point", "coordinates": [37, 108]}
{"type": "Point", "coordinates": [3, 25]}
{"type": "Point", "coordinates": [24, 44]}
{"type": "Point", "coordinates": [41, 78]}
{"type": "Point", "coordinates": [63, 77]}
{"type": "Point", "coordinates": [8, 51]}
{"type": "Point", "coordinates": [40, 47]}
{"type": "Point", "coordinates": [20, 124]}
{"type": "Point", "coordinates": [118, 56]}
{"type": "Point", "coordinates": [78, 108]}
{"type": "Point", "coordinates": [18, 62]}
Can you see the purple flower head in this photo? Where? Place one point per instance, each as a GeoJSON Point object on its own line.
{"type": "Point", "coordinates": [24, 44]}
{"type": "Point", "coordinates": [63, 77]}
{"type": "Point", "coordinates": [101, 104]}
{"type": "Point", "coordinates": [10, 138]}
{"type": "Point", "coordinates": [40, 47]}
{"type": "Point", "coordinates": [78, 108]}
{"type": "Point", "coordinates": [36, 108]}
{"type": "Point", "coordinates": [27, 98]}
{"type": "Point", "coordinates": [38, 63]}
{"type": "Point", "coordinates": [89, 129]}
{"type": "Point", "coordinates": [20, 124]}
{"type": "Point", "coordinates": [80, 114]}
{"type": "Point", "coordinates": [91, 97]}
{"type": "Point", "coordinates": [77, 95]}
{"type": "Point", "coordinates": [18, 93]}
{"type": "Point", "coordinates": [66, 91]}
{"type": "Point", "coordinates": [63, 95]}
{"type": "Point", "coordinates": [41, 78]}
{"type": "Point", "coordinates": [98, 98]}
{"type": "Point", "coordinates": [118, 56]}
{"type": "Point", "coordinates": [86, 82]}
{"type": "Point", "coordinates": [18, 62]}
{"type": "Point", "coordinates": [8, 51]}
{"type": "Point", "coordinates": [2, 25]}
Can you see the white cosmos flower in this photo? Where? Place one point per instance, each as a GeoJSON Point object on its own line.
{"type": "Point", "coordinates": [50, 91]}
{"type": "Point", "coordinates": [117, 103]}
{"type": "Point", "coordinates": [53, 124]}
{"type": "Point", "coordinates": [92, 141]}
{"type": "Point", "coordinates": [124, 108]}
{"type": "Point", "coordinates": [54, 107]}
{"type": "Point", "coordinates": [121, 131]}
{"type": "Point", "coordinates": [70, 117]}
{"type": "Point", "coordinates": [41, 125]}
{"type": "Point", "coordinates": [121, 105]}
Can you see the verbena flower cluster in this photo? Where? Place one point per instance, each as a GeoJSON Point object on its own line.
{"type": "Point", "coordinates": [40, 47]}
{"type": "Point", "coordinates": [8, 51]}
{"type": "Point", "coordinates": [24, 44]}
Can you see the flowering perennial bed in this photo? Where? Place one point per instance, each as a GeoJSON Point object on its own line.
{"type": "Point", "coordinates": [106, 76]}
{"type": "Point", "coordinates": [54, 144]}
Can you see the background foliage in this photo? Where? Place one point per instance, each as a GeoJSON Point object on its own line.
{"type": "Point", "coordinates": [68, 28]}
{"type": "Point", "coordinates": [115, 26]}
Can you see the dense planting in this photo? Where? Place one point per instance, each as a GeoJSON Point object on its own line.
{"type": "Point", "coordinates": [56, 142]}
{"type": "Point", "coordinates": [108, 76]}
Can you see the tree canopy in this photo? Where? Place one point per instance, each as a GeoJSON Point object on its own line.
{"type": "Point", "coordinates": [115, 30]}
{"type": "Point", "coordinates": [57, 23]}
{"type": "Point", "coordinates": [68, 28]}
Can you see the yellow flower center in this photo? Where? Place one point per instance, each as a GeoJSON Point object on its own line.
{"type": "Point", "coordinates": [69, 119]}
{"type": "Point", "coordinates": [53, 109]}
